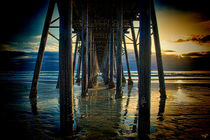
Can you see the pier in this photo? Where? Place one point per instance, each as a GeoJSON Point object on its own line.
{"type": "Point", "coordinates": [102, 27]}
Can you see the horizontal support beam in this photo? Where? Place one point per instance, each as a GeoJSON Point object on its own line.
{"type": "Point", "coordinates": [54, 26]}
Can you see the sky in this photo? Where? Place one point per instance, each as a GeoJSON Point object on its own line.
{"type": "Point", "coordinates": [184, 29]}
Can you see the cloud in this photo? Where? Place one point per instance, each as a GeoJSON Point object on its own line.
{"type": "Point", "coordinates": [205, 54]}
{"type": "Point", "coordinates": [31, 43]}
{"type": "Point", "coordinates": [168, 51]}
{"type": "Point", "coordinates": [20, 46]}
{"type": "Point", "coordinates": [206, 24]}
{"type": "Point", "coordinates": [5, 47]}
{"type": "Point", "coordinates": [199, 60]}
{"type": "Point", "coordinates": [37, 37]}
{"type": "Point", "coordinates": [200, 39]}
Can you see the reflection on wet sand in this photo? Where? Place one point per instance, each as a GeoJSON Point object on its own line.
{"type": "Point", "coordinates": [66, 124]}
{"type": "Point", "coordinates": [102, 115]}
{"type": "Point", "coordinates": [127, 103]}
{"type": "Point", "coordinates": [143, 123]}
{"type": "Point", "coordinates": [161, 109]}
{"type": "Point", "coordinates": [99, 114]}
{"type": "Point", "coordinates": [66, 117]}
{"type": "Point", "coordinates": [66, 121]}
{"type": "Point", "coordinates": [184, 115]}
{"type": "Point", "coordinates": [34, 108]}
{"type": "Point", "coordinates": [37, 128]}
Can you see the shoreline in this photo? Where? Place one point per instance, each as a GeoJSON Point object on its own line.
{"type": "Point", "coordinates": [101, 114]}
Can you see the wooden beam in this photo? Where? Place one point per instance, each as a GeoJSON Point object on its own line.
{"type": "Point", "coordinates": [75, 54]}
{"type": "Point", "coordinates": [107, 63]}
{"type": "Point", "coordinates": [144, 69]}
{"type": "Point", "coordinates": [84, 46]}
{"type": "Point", "coordinates": [54, 20]}
{"type": "Point", "coordinates": [128, 38]}
{"type": "Point", "coordinates": [66, 66]}
{"type": "Point", "coordinates": [119, 48]}
{"type": "Point", "coordinates": [130, 82]}
{"type": "Point", "coordinates": [90, 53]}
{"type": "Point", "coordinates": [33, 92]}
{"type": "Point", "coordinates": [53, 36]}
{"type": "Point", "coordinates": [111, 51]}
{"type": "Point", "coordinates": [158, 51]}
{"type": "Point", "coordinates": [135, 45]}
{"type": "Point", "coordinates": [78, 69]}
{"type": "Point", "coordinates": [54, 27]}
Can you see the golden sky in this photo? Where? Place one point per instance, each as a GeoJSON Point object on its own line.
{"type": "Point", "coordinates": [176, 25]}
{"type": "Point", "coordinates": [180, 32]}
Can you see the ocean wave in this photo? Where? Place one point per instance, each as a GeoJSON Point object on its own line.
{"type": "Point", "coordinates": [52, 76]}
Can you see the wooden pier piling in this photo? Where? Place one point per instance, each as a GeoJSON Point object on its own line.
{"type": "Point", "coordinates": [158, 51]}
{"type": "Point", "coordinates": [108, 63]}
{"type": "Point", "coordinates": [75, 53]}
{"type": "Point", "coordinates": [33, 92]}
{"type": "Point", "coordinates": [130, 82]}
{"type": "Point", "coordinates": [84, 46]}
{"type": "Point", "coordinates": [119, 48]}
{"type": "Point", "coordinates": [66, 65]}
{"type": "Point", "coordinates": [135, 46]}
{"type": "Point", "coordinates": [144, 68]}
{"type": "Point", "coordinates": [90, 59]}
{"type": "Point", "coordinates": [111, 50]}
{"type": "Point", "coordinates": [79, 67]}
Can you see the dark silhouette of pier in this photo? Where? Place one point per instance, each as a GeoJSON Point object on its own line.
{"type": "Point", "coordinates": [101, 27]}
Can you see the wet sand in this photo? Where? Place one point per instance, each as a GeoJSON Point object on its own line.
{"type": "Point", "coordinates": [185, 114]}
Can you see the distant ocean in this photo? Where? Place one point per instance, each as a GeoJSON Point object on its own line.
{"type": "Point", "coordinates": [170, 76]}
{"type": "Point", "coordinates": [21, 65]}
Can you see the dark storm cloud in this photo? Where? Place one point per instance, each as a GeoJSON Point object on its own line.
{"type": "Point", "coordinates": [195, 38]}
{"type": "Point", "coordinates": [198, 54]}
{"type": "Point", "coordinates": [189, 61]}
{"type": "Point", "coordinates": [199, 60]}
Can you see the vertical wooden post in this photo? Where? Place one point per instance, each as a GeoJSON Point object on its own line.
{"type": "Point", "coordinates": [90, 53]}
{"type": "Point", "coordinates": [58, 81]}
{"type": "Point", "coordinates": [79, 67]}
{"type": "Point", "coordinates": [111, 78]}
{"type": "Point", "coordinates": [135, 45]}
{"type": "Point", "coordinates": [75, 53]}
{"type": "Point", "coordinates": [88, 62]}
{"type": "Point", "coordinates": [161, 109]}
{"type": "Point", "coordinates": [145, 68]}
{"type": "Point", "coordinates": [123, 76]}
{"type": "Point", "coordinates": [74, 61]}
{"type": "Point", "coordinates": [107, 62]}
{"type": "Point", "coordinates": [95, 64]}
{"type": "Point", "coordinates": [115, 56]}
{"type": "Point", "coordinates": [130, 82]}
{"type": "Point", "coordinates": [84, 46]}
{"type": "Point", "coordinates": [158, 51]}
{"type": "Point", "coordinates": [66, 66]}
{"type": "Point", "coordinates": [119, 48]}
{"type": "Point", "coordinates": [33, 92]}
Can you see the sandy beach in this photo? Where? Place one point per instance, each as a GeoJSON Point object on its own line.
{"type": "Point", "coordinates": [183, 115]}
